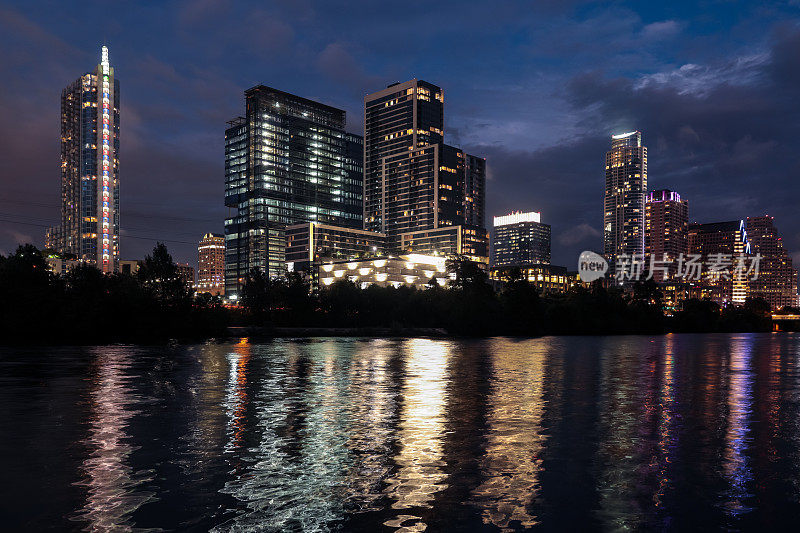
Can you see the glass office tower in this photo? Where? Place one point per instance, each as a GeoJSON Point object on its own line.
{"type": "Point", "coordinates": [89, 227]}
{"type": "Point", "coordinates": [289, 160]}
{"type": "Point", "coordinates": [626, 185]}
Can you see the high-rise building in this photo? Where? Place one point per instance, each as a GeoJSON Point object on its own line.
{"type": "Point", "coordinates": [89, 228]}
{"type": "Point", "coordinates": [520, 239]}
{"type": "Point", "coordinates": [666, 231]}
{"type": "Point", "coordinates": [623, 206]}
{"type": "Point", "coordinates": [289, 160]}
{"type": "Point", "coordinates": [413, 181]}
{"type": "Point", "coordinates": [723, 243]}
{"type": "Point", "coordinates": [211, 264]}
{"type": "Point", "coordinates": [777, 279]}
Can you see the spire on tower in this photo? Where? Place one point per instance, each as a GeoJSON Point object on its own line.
{"type": "Point", "coordinates": [104, 59]}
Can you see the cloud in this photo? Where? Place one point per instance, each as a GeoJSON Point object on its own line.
{"type": "Point", "coordinates": [661, 30]}
{"type": "Point", "coordinates": [580, 234]}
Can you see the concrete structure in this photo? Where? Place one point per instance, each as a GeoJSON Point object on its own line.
{"type": "Point", "coordinates": [411, 269]}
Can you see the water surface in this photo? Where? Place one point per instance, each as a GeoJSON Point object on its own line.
{"type": "Point", "coordinates": [600, 433]}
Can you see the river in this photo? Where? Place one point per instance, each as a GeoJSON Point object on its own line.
{"type": "Point", "coordinates": [666, 432]}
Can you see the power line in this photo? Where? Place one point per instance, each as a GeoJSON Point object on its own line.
{"type": "Point", "coordinates": [125, 235]}
{"type": "Point", "coordinates": [126, 215]}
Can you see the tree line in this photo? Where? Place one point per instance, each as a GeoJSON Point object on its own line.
{"type": "Point", "coordinates": [154, 305]}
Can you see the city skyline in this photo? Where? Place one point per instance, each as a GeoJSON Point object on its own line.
{"type": "Point", "coordinates": [734, 153]}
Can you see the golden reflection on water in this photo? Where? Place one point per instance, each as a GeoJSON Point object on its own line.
{"type": "Point", "coordinates": [420, 460]}
{"type": "Point", "coordinates": [515, 439]}
{"type": "Point", "coordinates": [236, 399]}
{"type": "Point", "coordinates": [113, 488]}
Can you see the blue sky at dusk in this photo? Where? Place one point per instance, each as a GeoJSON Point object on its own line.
{"type": "Point", "coordinates": [535, 87]}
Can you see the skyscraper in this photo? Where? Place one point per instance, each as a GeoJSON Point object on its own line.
{"type": "Point", "coordinates": [721, 239]}
{"type": "Point", "coordinates": [211, 264]}
{"type": "Point", "coordinates": [288, 160]}
{"type": "Point", "coordinates": [666, 227]}
{"type": "Point", "coordinates": [520, 239]}
{"type": "Point", "coordinates": [89, 227]}
{"type": "Point", "coordinates": [413, 182]}
{"type": "Point", "coordinates": [777, 279]}
{"type": "Point", "coordinates": [623, 206]}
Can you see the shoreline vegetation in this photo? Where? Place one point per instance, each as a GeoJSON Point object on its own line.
{"type": "Point", "coordinates": [153, 306]}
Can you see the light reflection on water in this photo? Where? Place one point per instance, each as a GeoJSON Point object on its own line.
{"type": "Point", "coordinates": [419, 460]}
{"type": "Point", "coordinates": [515, 438]}
{"type": "Point", "coordinates": [112, 485]}
{"type": "Point", "coordinates": [672, 432]}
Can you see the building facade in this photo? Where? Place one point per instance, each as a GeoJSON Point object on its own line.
{"type": "Point", "coordinates": [414, 182]}
{"type": "Point", "coordinates": [777, 278]}
{"type": "Point", "coordinates": [211, 264]}
{"type": "Point", "coordinates": [90, 117]}
{"type": "Point", "coordinates": [289, 160]}
{"type": "Point", "coordinates": [666, 234]}
{"type": "Point", "coordinates": [716, 243]}
{"type": "Point", "coordinates": [549, 279]}
{"type": "Point", "coordinates": [415, 270]}
{"type": "Point", "coordinates": [623, 205]}
{"type": "Point", "coordinates": [520, 239]}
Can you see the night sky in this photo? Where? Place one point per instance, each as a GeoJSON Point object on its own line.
{"type": "Point", "coordinates": [714, 87]}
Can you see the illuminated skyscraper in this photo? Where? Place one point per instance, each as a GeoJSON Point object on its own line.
{"type": "Point", "coordinates": [413, 182]}
{"type": "Point", "coordinates": [520, 239]}
{"type": "Point", "coordinates": [666, 227]}
{"type": "Point", "coordinates": [288, 161]}
{"type": "Point", "coordinates": [211, 264]}
{"type": "Point", "coordinates": [623, 207]}
{"type": "Point", "coordinates": [777, 279]}
{"type": "Point", "coordinates": [89, 227]}
{"type": "Point", "coordinates": [721, 239]}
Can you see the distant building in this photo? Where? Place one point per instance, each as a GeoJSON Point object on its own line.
{"type": "Point", "coordinates": [310, 244]}
{"type": "Point", "coordinates": [413, 182]}
{"type": "Point", "coordinates": [89, 227]}
{"type": "Point", "coordinates": [723, 240]}
{"type": "Point", "coordinates": [289, 160]}
{"type": "Point", "coordinates": [61, 266]}
{"type": "Point", "coordinates": [623, 204]}
{"type": "Point", "coordinates": [520, 239]}
{"type": "Point", "coordinates": [211, 264]}
{"type": "Point", "coordinates": [414, 270]}
{"type": "Point", "coordinates": [470, 242]}
{"type": "Point", "coordinates": [666, 230]}
{"type": "Point", "coordinates": [128, 267]}
{"type": "Point", "coordinates": [777, 279]}
{"type": "Point", "coordinates": [186, 274]}
{"type": "Point", "coordinates": [549, 279]}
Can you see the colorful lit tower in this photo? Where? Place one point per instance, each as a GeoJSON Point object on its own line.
{"type": "Point", "coordinates": [89, 227]}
